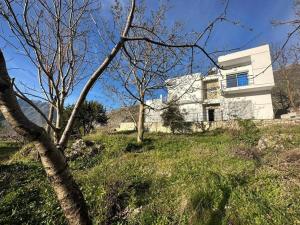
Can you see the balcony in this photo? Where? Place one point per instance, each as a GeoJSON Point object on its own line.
{"type": "Point", "coordinates": [242, 83]}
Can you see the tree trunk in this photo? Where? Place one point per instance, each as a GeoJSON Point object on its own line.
{"type": "Point", "coordinates": [141, 124]}
{"type": "Point", "coordinates": [291, 94]}
{"type": "Point", "coordinates": [50, 118]}
{"type": "Point", "coordinates": [57, 133]}
{"type": "Point", "coordinates": [68, 193]}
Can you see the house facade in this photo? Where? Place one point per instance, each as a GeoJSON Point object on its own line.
{"type": "Point", "coordinates": [241, 89]}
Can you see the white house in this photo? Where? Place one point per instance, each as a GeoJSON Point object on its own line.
{"type": "Point", "coordinates": [242, 89]}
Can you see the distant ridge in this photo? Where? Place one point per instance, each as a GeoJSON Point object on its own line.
{"type": "Point", "coordinates": [31, 113]}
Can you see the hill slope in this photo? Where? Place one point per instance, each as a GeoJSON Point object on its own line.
{"type": "Point", "coordinates": [208, 179]}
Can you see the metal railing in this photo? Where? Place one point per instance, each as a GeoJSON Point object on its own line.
{"type": "Point", "coordinates": [235, 82]}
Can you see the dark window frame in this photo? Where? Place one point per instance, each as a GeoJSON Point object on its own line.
{"type": "Point", "coordinates": [237, 80]}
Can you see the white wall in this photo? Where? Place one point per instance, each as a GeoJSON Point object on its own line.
{"type": "Point", "coordinates": [186, 89]}
{"type": "Point", "coordinates": [262, 66]}
{"type": "Point", "coordinates": [192, 112]}
{"type": "Point", "coordinates": [153, 114]}
{"type": "Point", "coordinates": [255, 61]}
{"type": "Point", "coordinates": [254, 99]}
{"type": "Point", "coordinates": [261, 104]}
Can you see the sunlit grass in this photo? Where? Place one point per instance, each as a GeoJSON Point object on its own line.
{"type": "Point", "coordinates": [170, 179]}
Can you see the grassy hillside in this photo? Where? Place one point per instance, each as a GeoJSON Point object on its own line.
{"type": "Point", "coordinates": [212, 178]}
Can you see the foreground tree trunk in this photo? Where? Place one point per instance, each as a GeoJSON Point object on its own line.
{"type": "Point", "coordinates": [53, 160]}
{"type": "Point", "coordinates": [141, 124]}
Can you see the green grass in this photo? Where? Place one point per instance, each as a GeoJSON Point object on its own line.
{"type": "Point", "coordinates": [170, 179]}
{"type": "Point", "coordinates": [7, 149]}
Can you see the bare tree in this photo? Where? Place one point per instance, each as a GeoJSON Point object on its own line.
{"type": "Point", "coordinates": [286, 75]}
{"type": "Point", "coordinates": [57, 70]}
{"type": "Point", "coordinates": [53, 38]}
{"type": "Point", "coordinates": [51, 33]}
{"type": "Point", "coordinates": [144, 67]}
{"type": "Point", "coordinates": [155, 53]}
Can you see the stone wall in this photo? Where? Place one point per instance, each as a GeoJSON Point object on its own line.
{"type": "Point", "coordinates": [265, 123]}
{"type": "Point", "coordinates": [205, 126]}
{"type": "Point", "coordinates": [196, 127]}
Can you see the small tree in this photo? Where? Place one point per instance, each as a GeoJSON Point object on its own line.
{"type": "Point", "coordinates": [173, 118]}
{"type": "Point", "coordinates": [285, 93]}
{"type": "Point", "coordinates": [144, 67]}
{"type": "Point", "coordinates": [89, 114]}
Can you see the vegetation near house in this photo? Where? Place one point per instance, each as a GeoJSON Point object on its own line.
{"type": "Point", "coordinates": [286, 93]}
{"type": "Point", "coordinates": [173, 118]}
{"type": "Point", "coordinates": [89, 114]}
{"type": "Point", "coordinates": [248, 132]}
{"type": "Point", "coordinates": [207, 178]}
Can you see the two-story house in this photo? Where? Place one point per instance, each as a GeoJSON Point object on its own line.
{"type": "Point", "coordinates": [241, 89]}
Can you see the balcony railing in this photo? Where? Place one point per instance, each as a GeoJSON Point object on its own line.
{"type": "Point", "coordinates": [234, 82]}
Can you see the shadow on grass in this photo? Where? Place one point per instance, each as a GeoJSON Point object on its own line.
{"type": "Point", "coordinates": [119, 196]}
{"type": "Point", "coordinates": [203, 202]}
{"type": "Point", "coordinates": [17, 175]}
{"type": "Point", "coordinates": [134, 147]}
{"type": "Point", "coordinates": [124, 132]}
{"type": "Point", "coordinates": [7, 151]}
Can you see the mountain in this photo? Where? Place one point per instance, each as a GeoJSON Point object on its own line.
{"type": "Point", "coordinates": [31, 113]}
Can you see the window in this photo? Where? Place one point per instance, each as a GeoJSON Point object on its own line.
{"type": "Point", "coordinates": [236, 80]}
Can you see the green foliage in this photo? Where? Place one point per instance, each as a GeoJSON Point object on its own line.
{"type": "Point", "coordinates": [90, 112]}
{"type": "Point", "coordinates": [249, 133]}
{"type": "Point", "coordinates": [171, 179]}
{"type": "Point", "coordinates": [173, 118]}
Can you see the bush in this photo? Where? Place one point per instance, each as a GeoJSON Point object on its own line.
{"type": "Point", "coordinates": [173, 118]}
{"type": "Point", "coordinates": [248, 133]}
{"type": "Point", "coordinates": [90, 113]}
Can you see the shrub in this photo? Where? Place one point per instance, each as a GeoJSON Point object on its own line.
{"type": "Point", "coordinates": [248, 133]}
{"type": "Point", "coordinates": [173, 118]}
{"type": "Point", "coordinates": [90, 113]}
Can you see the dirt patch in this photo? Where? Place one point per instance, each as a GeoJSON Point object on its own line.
{"type": "Point", "coordinates": [245, 152]}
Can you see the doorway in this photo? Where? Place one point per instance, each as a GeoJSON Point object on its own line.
{"type": "Point", "coordinates": [211, 115]}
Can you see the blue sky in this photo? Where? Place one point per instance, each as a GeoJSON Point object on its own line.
{"type": "Point", "coordinates": [194, 14]}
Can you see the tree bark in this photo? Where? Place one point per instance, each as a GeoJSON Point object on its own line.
{"type": "Point", "coordinates": [68, 193]}
{"type": "Point", "coordinates": [290, 94]}
{"type": "Point", "coordinates": [141, 124]}
{"type": "Point", "coordinates": [58, 124]}
{"type": "Point", "coordinates": [50, 118]}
